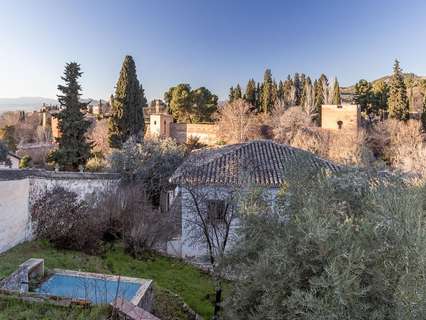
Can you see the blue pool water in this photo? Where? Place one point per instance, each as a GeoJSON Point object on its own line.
{"type": "Point", "coordinates": [94, 289]}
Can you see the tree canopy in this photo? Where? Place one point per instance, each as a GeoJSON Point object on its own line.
{"type": "Point", "coordinates": [193, 106]}
{"type": "Point", "coordinates": [127, 106]}
{"type": "Point", "coordinates": [398, 101]}
{"type": "Point", "coordinates": [73, 148]}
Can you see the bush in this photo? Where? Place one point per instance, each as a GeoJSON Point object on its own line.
{"type": "Point", "coordinates": [122, 213]}
{"type": "Point", "coordinates": [150, 163]}
{"type": "Point", "coordinates": [350, 246]}
{"type": "Point", "coordinates": [400, 144]}
{"type": "Point", "coordinates": [25, 162]}
{"type": "Point", "coordinates": [66, 221]}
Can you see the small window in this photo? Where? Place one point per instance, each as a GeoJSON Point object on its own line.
{"type": "Point", "coordinates": [216, 211]}
{"type": "Point", "coordinates": [339, 124]}
{"type": "Point", "coordinates": [155, 122]}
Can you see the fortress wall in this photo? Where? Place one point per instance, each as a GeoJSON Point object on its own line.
{"type": "Point", "coordinates": [181, 132]}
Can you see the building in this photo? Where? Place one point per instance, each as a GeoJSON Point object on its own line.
{"type": "Point", "coordinates": [160, 123]}
{"type": "Point", "coordinates": [345, 117]}
{"type": "Point", "coordinates": [216, 173]}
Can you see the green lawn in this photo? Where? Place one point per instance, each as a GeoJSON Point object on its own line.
{"type": "Point", "coordinates": [12, 308]}
{"type": "Point", "coordinates": [170, 275]}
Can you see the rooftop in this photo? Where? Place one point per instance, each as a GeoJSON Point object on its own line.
{"type": "Point", "coordinates": [259, 162]}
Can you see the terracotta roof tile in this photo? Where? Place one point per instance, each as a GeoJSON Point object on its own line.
{"type": "Point", "coordinates": [260, 162]}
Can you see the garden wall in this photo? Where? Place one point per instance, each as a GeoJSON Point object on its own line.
{"type": "Point", "coordinates": [19, 189]}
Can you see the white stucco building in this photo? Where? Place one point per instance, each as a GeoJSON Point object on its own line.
{"type": "Point", "coordinates": [217, 174]}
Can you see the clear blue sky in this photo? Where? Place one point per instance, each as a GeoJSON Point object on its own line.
{"type": "Point", "coordinates": [214, 43]}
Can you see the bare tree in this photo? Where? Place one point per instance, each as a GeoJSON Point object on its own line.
{"type": "Point", "coordinates": [208, 220]}
{"type": "Point", "coordinates": [236, 122]}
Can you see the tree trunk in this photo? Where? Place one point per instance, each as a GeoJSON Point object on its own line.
{"type": "Point", "coordinates": [217, 302]}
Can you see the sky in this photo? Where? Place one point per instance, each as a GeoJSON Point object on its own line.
{"type": "Point", "coordinates": [211, 43]}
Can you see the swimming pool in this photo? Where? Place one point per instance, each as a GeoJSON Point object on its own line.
{"type": "Point", "coordinates": [98, 289]}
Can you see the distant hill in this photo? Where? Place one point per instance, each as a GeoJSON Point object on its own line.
{"type": "Point", "coordinates": [417, 97]}
{"type": "Point", "coordinates": [24, 103]}
{"type": "Point", "coordinates": [31, 103]}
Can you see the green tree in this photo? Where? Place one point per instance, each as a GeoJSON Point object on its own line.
{"type": "Point", "coordinates": [298, 86]}
{"type": "Point", "coordinates": [250, 94]}
{"type": "Point", "coordinates": [192, 106]}
{"type": "Point", "coordinates": [423, 116]}
{"type": "Point", "coordinates": [336, 93]}
{"type": "Point", "coordinates": [7, 134]}
{"type": "Point", "coordinates": [25, 162]}
{"type": "Point", "coordinates": [320, 95]}
{"type": "Point", "coordinates": [238, 93]}
{"type": "Point", "coordinates": [231, 94]}
{"type": "Point", "coordinates": [363, 96]}
{"type": "Point", "coordinates": [204, 105]}
{"type": "Point", "coordinates": [178, 99]}
{"type": "Point", "coordinates": [73, 148]}
{"type": "Point", "coordinates": [3, 151]}
{"type": "Point", "coordinates": [127, 106]}
{"type": "Point", "coordinates": [380, 96]}
{"type": "Point", "coordinates": [333, 247]}
{"type": "Point", "coordinates": [267, 99]}
{"type": "Point", "coordinates": [398, 101]}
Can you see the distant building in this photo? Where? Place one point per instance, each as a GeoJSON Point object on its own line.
{"type": "Point", "coordinates": [346, 117]}
{"type": "Point", "coordinates": [158, 122]}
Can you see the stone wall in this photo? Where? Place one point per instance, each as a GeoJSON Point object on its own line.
{"type": "Point", "coordinates": [344, 117]}
{"type": "Point", "coordinates": [19, 189]}
{"type": "Point", "coordinates": [181, 132]}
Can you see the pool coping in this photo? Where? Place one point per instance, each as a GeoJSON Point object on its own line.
{"type": "Point", "coordinates": [137, 298]}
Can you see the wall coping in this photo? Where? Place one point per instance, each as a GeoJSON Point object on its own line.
{"type": "Point", "coordinates": [20, 174]}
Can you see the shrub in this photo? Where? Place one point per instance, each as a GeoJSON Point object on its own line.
{"type": "Point", "coordinates": [150, 163]}
{"type": "Point", "coordinates": [25, 162]}
{"type": "Point", "coordinates": [350, 246]}
{"type": "Point", "coordinates": [400, 144]}
{"type": "Point", "coordinates": [63, 219]}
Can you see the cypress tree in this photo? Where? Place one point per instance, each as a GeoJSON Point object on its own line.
{"type": "Point", "coordinates": [231, 94]}
{"type": "Point", "coordinates": [73, 148]}
{"type": "Point", "coordinates": [298, 89]}
{"type": "Point", "coordinates": [250, 94]}
{"type": "Point", "coordinates": [280, 91]}
{"type": "Point", "coordinates": [423, 117]}
{"type": "Point", "coordinates": [398, 101]}
{"type": "Point", "coordinates": [336, 93]}
{"type": "Point", "coordinates": [127, 108]}
{"type": "Point", "coordinates": [307, 83]}
{"type": "Point", "coordinates": [288, 88]}
{"type": "Point", "coordinates": [267, 100]}
{"type": "Point", "coordinates": [258, 96]}
{"type": "Point", "coordinates": [238, 93]}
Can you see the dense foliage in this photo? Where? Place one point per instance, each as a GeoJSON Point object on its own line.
{"type": "Point", "coordinates": [127, 106]}
{"type": "Point", "coordinates": [73, 149]}
{"type": "Point", "coordinates": [191, 106]}
{"type": "Point", "coordinates": [349, 246]}
{"type": "Point", "coordinates": [398, 101]}
{"type": "Point", "coordinates": [3, 151]}
{"type": "Point", "coordinates": [151, 163]}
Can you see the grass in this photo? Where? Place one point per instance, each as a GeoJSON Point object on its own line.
{"type": "Point", "coordinates": [170, 275]}
{"type": "Point", "coordinates": [12, 308]}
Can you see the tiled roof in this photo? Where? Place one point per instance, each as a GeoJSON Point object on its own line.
{"type": "Point", "coordinates": [259, 162]}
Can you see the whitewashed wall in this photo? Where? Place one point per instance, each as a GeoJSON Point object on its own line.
{"type": "Point", "coordinates": [19, 192]}
{"type": "Point", "coordinates": [13, 213]}
{"type": "Point", "coordinates": [185, 246]}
